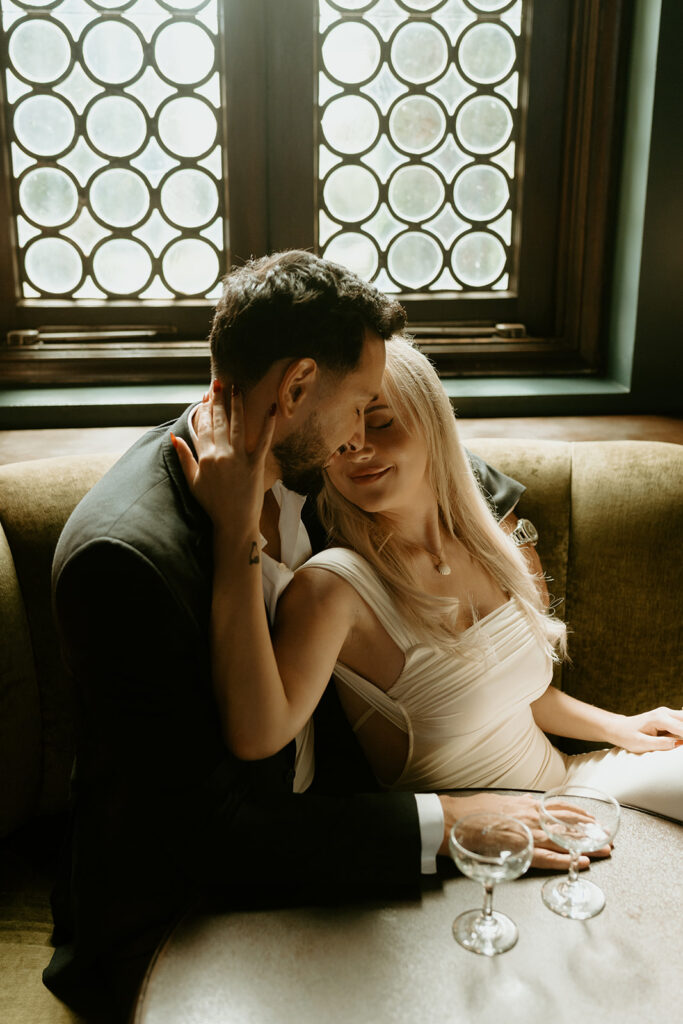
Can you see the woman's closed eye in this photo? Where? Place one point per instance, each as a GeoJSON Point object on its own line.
{"type": "Point", "coordinates": [378, 422]}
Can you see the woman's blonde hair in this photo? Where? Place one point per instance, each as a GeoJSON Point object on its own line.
{"type": "Point", "coordinates": [419, 402]}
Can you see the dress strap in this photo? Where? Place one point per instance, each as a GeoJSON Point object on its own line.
{"type": "Point", "coordinates": [376, 699]}
{"type": "Point", "coordinates": [353, 568]}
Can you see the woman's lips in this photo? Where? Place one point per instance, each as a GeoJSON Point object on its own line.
{"type": "Point", "coordinates": [369, 478]}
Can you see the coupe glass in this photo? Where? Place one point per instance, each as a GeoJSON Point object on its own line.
{"type": "Point", "coordinates": [489, 848]}
{"type": "Point", "coordinates": [582, 820]}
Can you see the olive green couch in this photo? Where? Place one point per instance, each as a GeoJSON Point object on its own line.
{"type": "Point", "coordinates": [610, 519]}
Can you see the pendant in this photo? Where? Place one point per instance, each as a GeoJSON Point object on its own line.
{"type": "Point", "coordinates": [443, 569]}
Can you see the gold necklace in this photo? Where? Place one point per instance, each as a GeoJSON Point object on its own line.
{"type": "Point", "coordinates": [441, 567]}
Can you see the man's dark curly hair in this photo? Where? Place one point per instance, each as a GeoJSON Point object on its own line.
{"type": "Point", "coordinates": [294, 305]}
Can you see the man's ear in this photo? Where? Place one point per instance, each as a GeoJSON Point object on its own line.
{"type": "Point", "coordinates": [299, 381]}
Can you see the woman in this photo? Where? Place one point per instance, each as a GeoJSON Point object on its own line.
{"type": "Point", "coordinates": [430, 619]}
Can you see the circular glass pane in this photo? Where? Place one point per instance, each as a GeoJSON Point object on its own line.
{"type": "Point", "coordinates": [352, 5]}
{"type": "Point", "coordinates": [487, 53]}
{"type": "Point", "coordinates": [116, 126]}
{"type": "Point", "coordinates": [422, 5]}
{"type": "Point", "coordinates": [481, 193]}
{"type": "Point", "coordinates": [189, 198]}
{"type": "Point", "coordinates": [122, 266]}
{"type": "Point", "coordinates": [351, 193]}
{"type": "Point", "coordinates": [112, 52]}
{"type": "Point", "coordinates": [490, 5]}
{"type": "Point", "coordinates": [417, 124]}
{"type": "Point", "coordinates": [190, 266]}
{"type": "Point", "coordinates": [351, 52]}
{"type": "Point", "coordinates": [119, 197]}
{"type": "Point", "coordinates": [53, 265]}
{"type": "Point", "coordinates": [184, 53]}
{"type": "Point", "coordinates": [48, 196]}
{"type": "Point", "coordinates": [183, 5]}
{"type": "Point", "coordinates": [415, 193]}
{"type": "Point", "coordinates": [39, 50]}
{"type": "Point", "coordinates": [354, 251]}
{"type": "Point", "coordinates": [350, 124]}
{"type": "Point", "coordinates": [187, 126]}
{"type": "Point", "coordinates": [483, 124]}
{"type": "Point", "coordinates": [478, 259]}
{"type": "Point", "coordinates": [414, 259]}
{"type": "Point", "coordinates": [44, 125]}
{"type": "Point", "coordinates": [419, 52]}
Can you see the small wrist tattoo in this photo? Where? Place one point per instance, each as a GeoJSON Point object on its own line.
{"type": "Point", "coordinates": [254, 556]}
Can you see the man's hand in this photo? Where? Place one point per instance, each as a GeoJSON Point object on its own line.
{"type": "Point", "coordinates": [526, 809]}
{"type": "Point", "coordinates": [226, 479]}
{"type": "Point", "coordinates": [531, 555]}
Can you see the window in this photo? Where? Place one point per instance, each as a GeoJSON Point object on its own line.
{"type": "Point", "coordinates": [419, 128]}
{"type": "Point", "coordinates": [460, 153]}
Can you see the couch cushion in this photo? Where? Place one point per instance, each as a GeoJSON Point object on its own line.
{"type": "Point", "coordinates": [20, 753]}
{"type": "Point", "coordinates": [625, 571]}
{"type": "Point", "coordinates": [36, 498]}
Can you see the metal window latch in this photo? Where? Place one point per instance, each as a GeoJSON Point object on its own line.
{"type": "Point", "coordinates": [21, 339]}
{"type": "Point", "coordinates": [510, 331]}
{"type": "Point", "coordinates": [32, 338]}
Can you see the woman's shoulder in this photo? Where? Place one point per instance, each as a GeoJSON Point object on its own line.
{"type": "Point", "coordinates": [347, 567]}
{"type": "Point", "coordinates": [331, 570]}
{"type": "Point", "coordinates": [336, 558]}
{"type": "Point", "coordinates": [321, 587]}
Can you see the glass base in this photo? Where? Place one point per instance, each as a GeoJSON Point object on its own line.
{"type": "Point", "coordinates": [578, 900]}
{"type": "Point", "coordinates": [487, 936]}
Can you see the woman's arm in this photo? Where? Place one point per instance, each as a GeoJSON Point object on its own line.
{"type": "Point", "coordinates": [558, 713]}
{"type": "Point", "coordinates": [262, 705]}
{"type": "Point", "coordinates": [265, 695]}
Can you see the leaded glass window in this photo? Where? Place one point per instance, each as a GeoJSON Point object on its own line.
{"type": "Point", "coordinates": [463, 154]}
{"type": "Point", "coordinates": [418, 157]}
{"type": "Point", "coordinates": [113, 112]}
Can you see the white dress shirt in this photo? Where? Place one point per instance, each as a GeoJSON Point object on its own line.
{"type": "Point", "coordinates": [295, 549]}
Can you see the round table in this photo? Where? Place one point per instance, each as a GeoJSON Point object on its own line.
{"type": "Point", "coordinates": [397, 963]}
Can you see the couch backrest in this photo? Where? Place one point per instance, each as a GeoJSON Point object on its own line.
{"type": "Point", "coordinates": [36, 696]}
{"type": "Point", "coordinates": [610, 519]}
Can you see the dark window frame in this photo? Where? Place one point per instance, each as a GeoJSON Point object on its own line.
{"type": "Point", "coordinates": [271, 192]}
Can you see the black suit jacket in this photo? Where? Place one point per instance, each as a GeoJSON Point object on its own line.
{"type": "Point", "coordinates": [163, 814]}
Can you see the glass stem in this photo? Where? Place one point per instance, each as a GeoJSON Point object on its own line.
{"type": "Point", "coordinates": [487, 910]}
{"type": "Point", "coordinates": [573, 866]}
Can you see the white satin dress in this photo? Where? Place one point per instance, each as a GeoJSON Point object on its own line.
{"type": "Point", "coordinates": [468, 720]}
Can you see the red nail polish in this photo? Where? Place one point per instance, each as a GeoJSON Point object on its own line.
{"type": "Point", "coordinates": [217, 386]}
{"type": "Point", "coordinates": [174, 440]}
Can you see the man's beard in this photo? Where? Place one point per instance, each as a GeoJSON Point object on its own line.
{"type": "Point", "coordinates": [301, 457]}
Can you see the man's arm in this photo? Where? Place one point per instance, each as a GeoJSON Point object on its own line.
{"type": "Point", "coordinates": [176, 808]}
{"type": "Point", "coordinates": [501, 491]}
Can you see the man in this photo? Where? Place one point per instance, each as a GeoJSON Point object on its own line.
{"type": "Point", "coordinates": [163, 814]}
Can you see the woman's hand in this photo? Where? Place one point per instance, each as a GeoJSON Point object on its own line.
{"type": "Point", "coordinates": [526, 808]}
{"type": "Point", "coordinates": [226, 480]}
{"type": "Point", "coordinates": [661, 729]}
